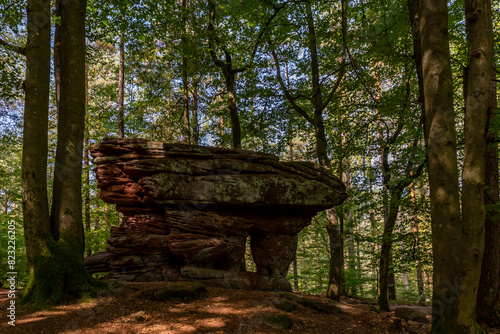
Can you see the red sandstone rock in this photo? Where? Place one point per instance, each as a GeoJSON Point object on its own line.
{"type": "Point", "coordinates": [188, 211]}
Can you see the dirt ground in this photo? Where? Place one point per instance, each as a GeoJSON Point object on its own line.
{"type": "Point", "coordinates": [220, 311]}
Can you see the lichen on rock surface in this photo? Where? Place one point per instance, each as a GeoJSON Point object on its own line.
{"type": "Point", "coordinates": [188, 211]}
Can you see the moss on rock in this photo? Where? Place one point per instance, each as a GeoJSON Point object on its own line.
{"type": "Point", "coordinates": [284, 305]}
{"type": "Point", "coordinates": [278, 321]}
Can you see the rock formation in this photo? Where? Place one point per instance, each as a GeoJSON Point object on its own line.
{"type": "Point", "coordinates": [188, 211]}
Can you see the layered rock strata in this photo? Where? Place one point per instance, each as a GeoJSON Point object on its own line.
{"type": "Point", "coordinates": [187, 211]}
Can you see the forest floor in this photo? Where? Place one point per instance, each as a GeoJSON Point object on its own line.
{"type": "Point", "coordinates": [219, 311]}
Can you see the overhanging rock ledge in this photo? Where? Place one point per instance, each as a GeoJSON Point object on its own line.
{"type": "Point", "coordinates": [188, 210]}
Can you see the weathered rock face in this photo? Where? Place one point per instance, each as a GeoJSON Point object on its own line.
{"type": "Point", "coordinates": [188, 211]}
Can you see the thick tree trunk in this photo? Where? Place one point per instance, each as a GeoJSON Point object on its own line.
{"type": "Point", "coordinates": [66, 217]}
{"type": "Point", "coordinates": [36, 108]}
{"type": "Point", "coordinates": [480, 38]}
{"type": "Point", "coordinates": [442, 163]}
{"type": "Point", "coordinates": [55, 257]}
{"type": "Point", "coordinates": [457, 239]}
{"type": "Point", "coordinates": [488, 297]}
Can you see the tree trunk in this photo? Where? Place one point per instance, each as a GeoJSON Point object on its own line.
{"type": "Point", "coordinates": [458, 240]}
{"type": "Point", "coordinates": [402, 248]}
{"type": "Point", "coordinates": [414, 11]}
{"type": "Point", "coordinates": [233, 111]}
{"type": "Point", "coordinates": [121, 81]}
{"type": "Point", "coordinates": [385, 253]}
{"type": "Point", "coordinates": [488, 297]}
{"type": "Point", "coordinates": [185, 82]}
{"type": "Point", "coordinates": [55, 247]}
{"type": "Point", "coordinates": [420, 278]}
{"type": "Point", "coordinates": [392, 280]}
{"type": "Point", "coordinates": [336, 261]}
{"type": "Point", "coordinates": [36, 109]}
{"type": "Point", "coordinates": [442, 162]}
{"type": "Point", "coordinates": [196, 127]}
{"type": "Point", "coordinates": [87, 191]}
{"type": "Point", "coordinates": [57, 55]}
{"type": "Point", "coordinates": [480, 38]}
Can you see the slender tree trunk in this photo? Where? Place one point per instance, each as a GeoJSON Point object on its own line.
{"type": "Point", "coordinates": [420, 279]}
{"type": "Point", "coordinates": [196, 127]}
{"type": "Point", "coordinates": [351, 253]}
{"type": "Point", "coordinates": [414, 11]}
{"type": "Point", "coordinates": [233, 111]}
{"type": "Point", "coordinates": [87, 191]}
{"type": "Point", "coordinates": [57, 55]}
{"type": "Point", "coordinates": [6, 203]}
{"type": "Point", "coordinates": [488, 298]}
{"type": "Point", "coordinates": [185, 82]}
{"type": "Point", "coordinates": [295, 269]}
{"type": "Point", "coordinates": [121, 81]}
{"type": "Point", "coordinates": [385, 253]}
{"type": "Point", "coordinates": [336, 262]}
{"type": "Point", "coordinates": [402, 248]}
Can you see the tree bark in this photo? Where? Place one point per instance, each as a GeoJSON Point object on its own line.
{"type": "Point", "coordinates": [36, 108]}
{"type": "Point", "coordinates": [87, 190]}
{"type": "Point", "coordinates": [480, 56]}
{"type": "Point", "coordinates": [185, 82]}
{"type": "Point", "coordinates": [55, 245]}
{"type": "Point", "coordinates": [442, 162]}
{"type": "Point", "coordinates": [336, 261]}
{"type": "Point", "coordinates": [458, 239]}
{"type": "Point", "coordinates": [196, 127]}
{"type": "Point", "coordinates": [230, 77]}
{"type": "Point", "coordinates": [488, 297]}
{"type": "Point", "coordinates": [121, 89]}
{"type": "Point", "coordinates": [414, 11]}
{"type": "Point", "coordinates": [402, 248]}
{"type": "Point", "coordinates": [420, 278]}
{"type": "Point", "coordinates": [385, 253]}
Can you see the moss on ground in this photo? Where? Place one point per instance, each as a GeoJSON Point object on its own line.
{"type": "Point", "coordinates": [278, 321]}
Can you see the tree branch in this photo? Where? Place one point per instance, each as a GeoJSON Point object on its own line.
{"type": "Point", "coordinates": [212, 38]}
{"type": "Point", "coordinates": [351, 59]}
{"type": "Point", "coordinates": [335, 86]}
{"type": "Point", "coordinates": [14, 48]}
{"type": "Point", "coordinates": [289, 97]}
